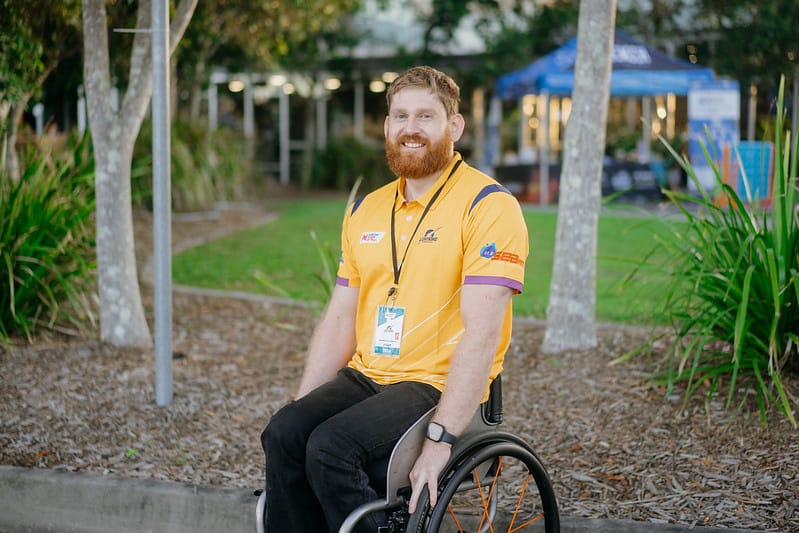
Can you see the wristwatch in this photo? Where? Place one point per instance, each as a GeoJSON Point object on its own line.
{"type": "Point", "coordinates": [438, 433]}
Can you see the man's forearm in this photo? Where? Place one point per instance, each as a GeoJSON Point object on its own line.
{"type": "Point", "coordinates": [332, 343]}
{"type": "Point", "coordinates": [483, 310]}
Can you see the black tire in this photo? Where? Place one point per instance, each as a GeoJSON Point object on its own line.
{"type": "Point", "coordinates": [463, 509]}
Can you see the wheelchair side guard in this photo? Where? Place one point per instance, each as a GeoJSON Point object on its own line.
{"type": "Point", "coordinates": [260, 510]}
{"type": "Point", "coordinates": [404, 455]}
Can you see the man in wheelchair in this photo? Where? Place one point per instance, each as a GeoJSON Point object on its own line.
{"type": "Point", "coordinates": [420, 317]}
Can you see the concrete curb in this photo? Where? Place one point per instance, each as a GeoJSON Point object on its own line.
{"type": "Point", "coordinates": [61, 502]}
{"type": "Point", "coordinates": [66, 502]}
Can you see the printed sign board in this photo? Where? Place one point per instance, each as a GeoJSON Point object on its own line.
{"type": "Point", "coordinates": [714, 110]}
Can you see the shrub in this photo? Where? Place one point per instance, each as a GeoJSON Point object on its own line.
{"type": "Point", "coordinates": [206, 167]}
{"type": "Point", "coordinates": [344, 160]}
{"type": "Point", "coordinates": [47, 243]}
{"type": "Point", "coordinates": [734, 296]}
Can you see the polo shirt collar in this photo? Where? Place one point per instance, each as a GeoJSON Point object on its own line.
{"type": "Point", "coordinates": [425, 198]}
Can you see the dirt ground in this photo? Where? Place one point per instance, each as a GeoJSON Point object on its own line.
{"type": "Point", "coordinates": [615, 444]}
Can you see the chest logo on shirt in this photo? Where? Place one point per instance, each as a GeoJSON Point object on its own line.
{"type": "Point", "coordinates": [372, 237]}
{"type": "Point", "coordinates": [430, 235]}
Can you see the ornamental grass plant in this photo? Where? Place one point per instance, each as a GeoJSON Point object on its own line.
{"type": "Point", "coordinates": [47, 260]}
{"type": "Point", "coordinates": [733, 299]}
{"type": "Point", "coordinates": [207, 167]}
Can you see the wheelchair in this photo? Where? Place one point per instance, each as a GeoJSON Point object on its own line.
{"type": "Point", "coordinates": [493, 482]}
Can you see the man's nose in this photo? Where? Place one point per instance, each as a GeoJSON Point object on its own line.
{"type": "Point", "coordinates": [412, 125]}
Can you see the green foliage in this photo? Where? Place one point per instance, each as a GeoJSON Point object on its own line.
{"type": "Point", "coordinates": [36, 35]}
{"type": "Point", "coordinates": [344, 160]}
{"type": "Point", "coordinates": [751, 41]}
{"type": "Point", "coordinates": [18, 50]}
{"type": "Point", "coordinates": [206, 167]}
{"type": "Point", "coordinates": [734, 298]}
{"type": "Point", "coordinates": [47, 243]}
{"type": "Point", "coordinates": [527, 36]}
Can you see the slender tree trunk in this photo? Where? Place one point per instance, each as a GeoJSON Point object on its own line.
{"type": "Point", "coordinates": [122, 319]}
{"type": "Point", "coordinates": [572, 300]}
{"type": "Point", "coordinates": [14, 116]}
{"type": "Point", "coordinates": [12, 136]}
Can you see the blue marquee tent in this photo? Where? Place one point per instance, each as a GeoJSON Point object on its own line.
{"type": "Point", "coordinates": [637, 70]}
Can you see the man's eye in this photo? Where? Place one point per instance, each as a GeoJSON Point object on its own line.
{"type": "Point", "coordinates": [425, 116]}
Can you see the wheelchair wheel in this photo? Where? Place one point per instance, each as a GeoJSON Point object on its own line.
{"type": "Point", "coordinates": [499, 486]}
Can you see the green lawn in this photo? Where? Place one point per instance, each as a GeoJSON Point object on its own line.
{"type": "Point", "coordinates": [287, 260]}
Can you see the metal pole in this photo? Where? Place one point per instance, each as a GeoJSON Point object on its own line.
{"type": "Point", "coordinates": [162, 247]}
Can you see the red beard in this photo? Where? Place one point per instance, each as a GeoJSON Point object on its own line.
{"type": "Point", "coordinates": [436, 156]}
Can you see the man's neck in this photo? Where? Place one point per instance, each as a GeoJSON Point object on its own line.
{"type": "Point", "coordinates": [415, 188]}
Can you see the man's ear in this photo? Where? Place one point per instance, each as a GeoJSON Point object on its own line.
{"type": "Point", "coordinates": [456, 126]}
{"type": "Point", "coordinates": [385, 127]}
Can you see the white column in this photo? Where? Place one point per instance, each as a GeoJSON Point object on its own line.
{"type": "Point", "coordinates": [358, 112]}
{"type": "Point", "coordinates": [544, 155]}
{"type": "Point", "coordinates": [213, 107]}
{"type": "Point", "coordinates": [38, 113]}
{"type": "Point", "coordinates": [321, 119]}
{"type": "Point", "coordinates": [493, 156]}
{"type": "Point", "coordinates": [646, 133]}
{"type": "Point", "coordinates": [284, 137]}
{"type": "Point", "coordinates": [478, 127]}
{"type": "Point", "coordinates": [249, 112]}
{"type": "Point", "coordinates": [751, 118]}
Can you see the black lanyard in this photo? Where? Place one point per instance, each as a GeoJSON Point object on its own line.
{"type": "Point", "coordinates": [398, 266]}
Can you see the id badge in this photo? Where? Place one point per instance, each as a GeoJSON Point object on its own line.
{"type": "Point", "coordinates": [388, 330]}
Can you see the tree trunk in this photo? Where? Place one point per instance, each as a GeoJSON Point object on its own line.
{"type": "Point", "coordinates": [570, 314]}
{"type": "Point", "coordinates": [12, 136]}
{"type": "Point", "coordinates": [122, 320]}
{"type": "Point", "coordinates": [14, 116]}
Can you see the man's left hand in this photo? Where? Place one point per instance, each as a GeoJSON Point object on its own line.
{"type": "Point", "coordinates": [426, 470]}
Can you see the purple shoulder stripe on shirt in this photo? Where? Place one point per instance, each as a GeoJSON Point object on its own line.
{"type": "Point", "coordinates": [488, 189]}
{"type": "Point", "coordinates": [344, 282]}
{"type": "Point", "coordinates": [356, 204]}
{"type": "Point", "coordinates": [494, 280]}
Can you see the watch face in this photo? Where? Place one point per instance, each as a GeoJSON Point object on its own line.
{"type": "Point", "coordinates": [435, 431]}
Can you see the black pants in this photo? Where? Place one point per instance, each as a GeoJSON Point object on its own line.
{"type": "Point", "coordinates": [317, 449]}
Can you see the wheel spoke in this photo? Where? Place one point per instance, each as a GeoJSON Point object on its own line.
{"type": "Point", "coordinates": [499, 488]}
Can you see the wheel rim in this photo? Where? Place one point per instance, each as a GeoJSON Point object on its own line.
{"type": "Point", "coordinates": [500, 488]}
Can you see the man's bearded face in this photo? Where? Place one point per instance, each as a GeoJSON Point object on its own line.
{"type": "Point", "coordinates": [414, 156]}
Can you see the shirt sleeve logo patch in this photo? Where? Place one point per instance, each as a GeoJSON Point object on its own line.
{"type": "Point", "coordinates": [489, 251]}
{"type": "Point", "coordinates": [372, 237]}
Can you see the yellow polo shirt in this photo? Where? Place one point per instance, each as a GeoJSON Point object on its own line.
{"type": "Point", "coordinates": [473, 233]}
